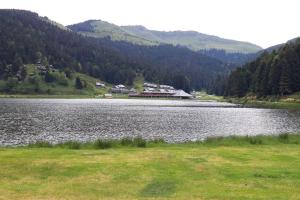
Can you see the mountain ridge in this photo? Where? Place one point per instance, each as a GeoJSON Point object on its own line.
{"type": "Point", "coordinates": [190, 39]}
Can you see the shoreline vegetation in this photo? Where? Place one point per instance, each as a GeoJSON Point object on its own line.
{"type": "Point", "coordinates": [285, 102]}
{"type": "Point", "coordinates": [265, 104]}
{"type": "Point", "coordinates": [237, 168]}
{"type": "Point", "coordinates": [235, 140]}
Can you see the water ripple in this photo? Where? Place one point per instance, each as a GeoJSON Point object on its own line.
{"type": "Point", "coordinates": [23, 121]}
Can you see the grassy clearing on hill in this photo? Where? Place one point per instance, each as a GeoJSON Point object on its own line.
{"type": "Point", "coordinates": [202, 95]}
{"type": "Point", "coordinates": [34, 85]}
{"type": "Point", "coordinates": [285, 102]}
{"type": "Point", "coordinates": [262, 167]}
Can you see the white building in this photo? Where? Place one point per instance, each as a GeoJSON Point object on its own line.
{"type": "Point", "coordinates": [182, 94]}
{"type": "Point", "coordinates": [120, 86]}
{"type": "Point", "coordinates": [167, 87]}
{"type": "Point", "coordinates": [99, 84]}
{"type": "Point", "coordinates": [150, 85]}
{"type": "Point", "coordinates": [120, 89]}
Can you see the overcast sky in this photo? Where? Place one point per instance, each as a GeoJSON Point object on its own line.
{"type": "Point", "coordinates": [263, 22]}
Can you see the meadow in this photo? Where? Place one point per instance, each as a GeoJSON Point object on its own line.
{"type": "Point", "coordinates": [260, 167]}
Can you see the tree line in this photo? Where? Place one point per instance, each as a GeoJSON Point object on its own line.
{"type": "Point", "coordinates": [276, 73]}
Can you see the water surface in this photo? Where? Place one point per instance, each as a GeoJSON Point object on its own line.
{"type": "Point", "coordinates": [24, 121]}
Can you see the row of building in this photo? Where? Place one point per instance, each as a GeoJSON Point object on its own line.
{"type": "Point", "coordinates": [151, 90]}
{"type": "Point", "coordinates": [180, 94]}
{"type": "Point", "coordinates": [122, 89]}
{"type": "Point", "coordinates": [157, 86]}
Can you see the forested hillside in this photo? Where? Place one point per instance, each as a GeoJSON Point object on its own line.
{"type": "Point", "coordinates": [275, 73]}
{"type": "Point", "coordinates": [227, 57]}
{"type": "Point", "coordinates": [27, 38]}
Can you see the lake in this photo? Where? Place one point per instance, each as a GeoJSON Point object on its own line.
{"type": "Point", "coordinates": [24, 121]}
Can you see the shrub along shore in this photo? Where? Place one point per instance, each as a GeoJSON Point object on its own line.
{"type": "Point", "coordinates": [139, 142]}
{"type": "Point", "coordinates": [230, 168]}
{"type": "Point", "coordinates": [276, 102]}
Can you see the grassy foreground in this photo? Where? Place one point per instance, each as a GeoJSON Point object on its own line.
{"type": "Point", "coordinates": [224, 168]}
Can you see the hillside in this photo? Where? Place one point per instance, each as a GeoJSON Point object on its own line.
{"type": "Point", "coordinates": [102, 29]}
{"type": "Point", "coordinates": [227, 57]}
{"type": "Point", "coordinates": [276, 73]}
{"type": "Point", "coordinates": [240, 58]}
{"type": "Point", "coordinates": [141, 35]}
{"type": "Point", "coordinates": [26, 38]}
{"type": "Point", "coordinates": [52, 82]}
{"type": "Point", "coordinates": [278, 46]}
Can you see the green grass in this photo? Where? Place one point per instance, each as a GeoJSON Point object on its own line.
{"type": "Point", "coordinates": [202, 95]}
{"type": "Point", "coordinates": [62, 88]}
{"type": "Point", "coordinates": [283, 103]}
{"type": "Point", "coordinates": [262, 167]}
{"type": "Point", "coordinates": [138, 35]}
{"type": "Point", "coordinates": [139, 84]}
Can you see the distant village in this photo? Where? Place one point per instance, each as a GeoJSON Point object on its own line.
{"type": "Point", "coordinates": [151, 90]}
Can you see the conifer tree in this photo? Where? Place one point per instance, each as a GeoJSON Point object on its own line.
{"type": "Point", "coordinates": [78, 83]}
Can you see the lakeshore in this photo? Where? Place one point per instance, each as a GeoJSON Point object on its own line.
{"type": "Point", "coordinates": [277, 104]}
{"type": "Point", "coordinates": [287, 102]}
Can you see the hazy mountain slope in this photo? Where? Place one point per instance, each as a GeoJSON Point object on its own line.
{"type": "Point", "coordinates": [227, 57]}
{"type": "Point", "coordinates": [194, 40]}
{"type": "Point", "coordinates": [140, 35]}
{"type": "Point", "coordinates": [101, 29]}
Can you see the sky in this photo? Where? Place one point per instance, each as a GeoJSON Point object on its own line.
{"type": "Point", "coordinates": [262, 22]}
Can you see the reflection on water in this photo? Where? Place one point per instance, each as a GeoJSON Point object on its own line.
{"type": "Point", "coordinates": [27, 120]}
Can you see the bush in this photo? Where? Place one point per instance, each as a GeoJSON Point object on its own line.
{"type": "Point", "coordinates": [284, 137]}
{"type": "Point", "coordinates": [40, 144]}
{"type": "Point", "coordinates": [78, 83]}
{"type": "Point", "coordinates": [139, 142]}
{"type": "Point", "coordinates": [34, 79]}
{"type": "Point", "coordinates": [213, 140]}
{"type": "Point", "coordinates": [10, 85]}
{"type": "Point", "coordinates": [255, 140]}
{"type": "Point", "coordinates": [72, 145]}
{"type": "Point", "coordinates": [158, 141]}
{"type": "Point", "coordinates": [49, 77]}
{"type": "Point", "coordinates": [102, 144]}
{"type": "Point", "coordinates": [127, 141]}
{"type": "Point", "coordinates": [60, 78]}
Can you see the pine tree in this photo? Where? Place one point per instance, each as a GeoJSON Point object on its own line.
{"type": "Point", "coordinates": [274, 76]}
{"type": "Point", "coordinates": [285, 80]}
{"type": "Point", "coordinates": [23, 73]}
{"type": "Point", "coordinates": [17, 64]}
{"type": "Point", "coordinates": [78, 83]}
{"type": "Point", "coordinates": [49, 77]}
